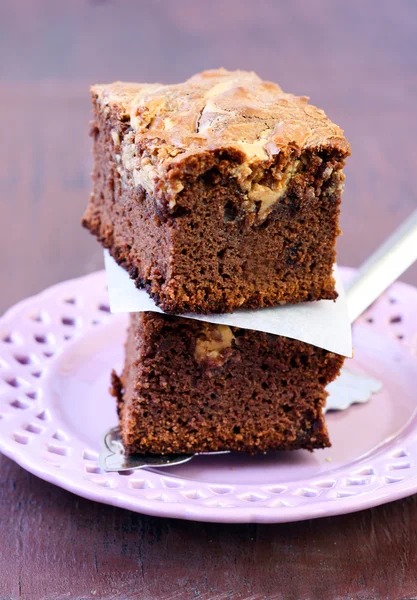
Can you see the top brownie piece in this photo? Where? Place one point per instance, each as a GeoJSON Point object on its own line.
{"type": "Point", "coordinates": [219, 193]}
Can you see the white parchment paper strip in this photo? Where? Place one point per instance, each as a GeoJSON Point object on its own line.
{"type": "Point", "coordinates": [324, 324]}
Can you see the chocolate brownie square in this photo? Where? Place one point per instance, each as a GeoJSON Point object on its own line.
{"type": "Point", "coordinates": [191, 386]}
{"type": "Point", "coordinates": [219, 193]}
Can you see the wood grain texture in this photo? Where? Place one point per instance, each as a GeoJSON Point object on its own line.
{"type": "Point", "coordinates": [357, 60]}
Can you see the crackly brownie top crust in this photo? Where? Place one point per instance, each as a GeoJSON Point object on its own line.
{"type": "Point", "coordinates": [217, 110]}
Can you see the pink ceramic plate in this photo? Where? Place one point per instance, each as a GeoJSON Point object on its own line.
{"type": "Point", "coordinates": [56, 353]}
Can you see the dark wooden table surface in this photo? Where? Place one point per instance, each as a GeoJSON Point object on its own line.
{"type": "Point", "coordinates": [357, 60]}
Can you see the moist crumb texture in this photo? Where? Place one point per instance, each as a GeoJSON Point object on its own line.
{"type": "Point", "coordinates": [189, 386]}
{"type": "Point", "coordinates": [219, 193]}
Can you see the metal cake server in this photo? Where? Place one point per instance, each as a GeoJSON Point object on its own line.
{"type": "Point", "coordinates": [375, 275]}
{"type": "Point", "coordinates": [383, 267]}
{"type": "Point", "coordinates": [113, 458]}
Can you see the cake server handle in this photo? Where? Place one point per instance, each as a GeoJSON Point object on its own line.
{"type": "Point", "coordinates": [383, 267]}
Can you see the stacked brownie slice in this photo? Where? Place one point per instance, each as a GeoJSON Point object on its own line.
{"type": "Point", "coordinates": [218, 194]}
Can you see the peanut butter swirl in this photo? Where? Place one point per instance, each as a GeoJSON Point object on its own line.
{"type": "Point", "coordinates": [214, 110]}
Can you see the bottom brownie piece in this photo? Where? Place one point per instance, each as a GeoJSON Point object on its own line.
{"type": "Point", "coordinates": [189, 386]}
